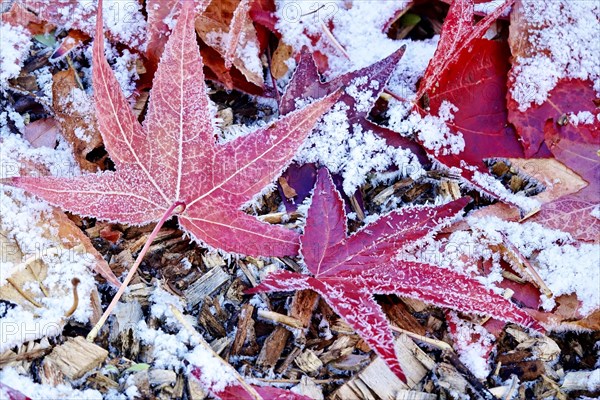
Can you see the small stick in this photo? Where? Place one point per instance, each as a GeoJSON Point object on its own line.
{"type": "Point", "coordinates": [70, 311]}
{"type": "Point", "coordinates": [333, 40]}
{"type": "Point", "coordinates": [280, 318]}
{"type": "Point", "coordinates": [180, 207]}
{"type": "Point", "coordinates": [77, 78]}
{"type": "Point", "coordinates": [251, 391]}
{"type": "Point", "coordinates": [433, 342]}
{"type": "Point", "coordinates": [23, 293]}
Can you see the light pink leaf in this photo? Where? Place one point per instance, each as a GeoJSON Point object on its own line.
{"type": "Point", "coordinates": [175, 157]}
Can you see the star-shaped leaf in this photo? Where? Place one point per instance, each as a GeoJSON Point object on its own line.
{"type": "Point", "coordinates": [348, 270]}
{"type": "Point", "coordinates": [174, 158]}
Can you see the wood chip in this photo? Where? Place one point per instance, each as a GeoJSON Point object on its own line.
{"type": "Point", "coordinates": [206, 285]}
{"type": "Point", "coordinates": [378, 380]}
{"type": "Point", "coordinates": [309, 362]}
{"type": "Point", "coordinates": [77, 356]}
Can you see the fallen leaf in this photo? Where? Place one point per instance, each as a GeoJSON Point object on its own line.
{"type": "Point", "coordinates": [41, 133]}
{"type": "Point", "coordinates": [227, 28]}
{"type": "Point", "coordinates": [456, 39]}
{"type": "Point", "coordinates": [174, 160]}
{"type": "Point", "coordinates": [348, 270]}
{"type": "Point", "coordinates": [75, 113]}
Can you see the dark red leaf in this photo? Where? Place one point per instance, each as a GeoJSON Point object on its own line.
{"type": "Point", "coordinates": [348, 270]}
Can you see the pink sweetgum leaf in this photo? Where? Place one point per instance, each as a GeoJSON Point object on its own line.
{"type": "Point", "coordinates": [174, 157]}
{"type": "Point", "coordinates": [10, 393]}
{"type": "Point", "coordinates": [348, 270]}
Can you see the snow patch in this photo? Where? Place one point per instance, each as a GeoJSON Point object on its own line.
{"type": "Point", "coordinates": [565, 43]}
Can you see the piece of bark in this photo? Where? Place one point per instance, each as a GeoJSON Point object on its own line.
{"type": "Point", "coordinates": [123, 334]}
{"type": "Point", "coordinates": [378, 380]}
{"type": "Point", "coordinates": [399, 315]}
{"type": "Point", "coordinates": [77, 356]}
{"type": "Point", "coordinates": [414, 395]}
{"type": "Point", "coordinates": [245, 338]}
{"type": "Point", "coordinates": [302, 308]}
{"type": "Point", "coordinates": [161, 377]}
{"type": "Point", "coordinates": [342, 346]}
{"type": "Point", "coordinates": [207, 284]}
{"type": "Point", "coordinates": [525, 370]}
{"type": "Point", "coordinates": [50, 374]}
{"type": "Point", "coordinates": [209, 321]}
{"type": "Point", "coordinates": [273, 347]}
{"type": "Point", "coordinates": [581, 380]}
{"type": "Point", "coordinates": [351, 362]}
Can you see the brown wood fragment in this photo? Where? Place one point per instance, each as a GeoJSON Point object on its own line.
{"type": "Point", "coordinates": [302, 308]}
{"type": "Point", "coordinates": [399, 315]}
{"type": "Point", "coordinates": [525, 370]}
{"type": "Point", "coordinates": [288, 360]}
{"type": "Point", "coordinates": [245, 338]}
{"type": "Point", "coordinates": [207, 284]}
{"type": "Point", "coordinates": [208, 320]}
{"type": "Point", "coordinates": [77, 356]}
{"type": "Point", "coordinates": [273, 347]}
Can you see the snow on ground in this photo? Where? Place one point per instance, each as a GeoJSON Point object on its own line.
{"type": "Point", "coordinates": [357, 27]}
{"type": "Point", "coordinates": [352, 152]}
{"type": "Point", "coordinates": [15, 47]}
{"type": "Point", "coordinates": [566, 266]}
{"type": "Point", "coordinates": [33, 390]}
{"type": "Point", "coordinates": [565, 43]}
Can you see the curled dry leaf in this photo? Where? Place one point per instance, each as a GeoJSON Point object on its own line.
{"type": "Point", "coordinates": [75, 113]}
{"type": "Point", "coordinates": [42, 132]}
{"type": "Point", "coordinates": [227, 28]}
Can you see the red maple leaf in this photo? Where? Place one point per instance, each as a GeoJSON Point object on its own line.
{"type": "Point", "coordinates": [173, 162]}
{"type": "Point", "coordinates": [577, 147]}
{"type": "Point", "coordinates": [348, 270]}
{"type": "Point", "coordinates": [456, 38]}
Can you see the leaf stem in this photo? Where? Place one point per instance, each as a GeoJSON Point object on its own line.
{"type": "Point", "coordinates": [179, 206]}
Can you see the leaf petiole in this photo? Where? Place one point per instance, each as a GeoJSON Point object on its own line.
{"type": "Point", "coordinates": [177, 207]}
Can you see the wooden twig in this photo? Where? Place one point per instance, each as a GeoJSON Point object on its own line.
{"type": "Point", "coordinates": [433, 342]}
